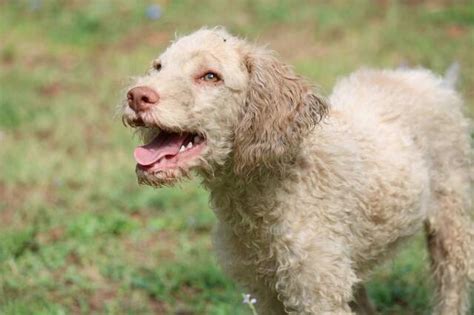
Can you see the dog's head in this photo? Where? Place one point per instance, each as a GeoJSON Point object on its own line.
{"type": "Point", "coordinates": [211, 100]}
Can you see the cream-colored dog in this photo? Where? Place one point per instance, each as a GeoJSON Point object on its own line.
{"type": "Point", "coordinates": [310, 193]}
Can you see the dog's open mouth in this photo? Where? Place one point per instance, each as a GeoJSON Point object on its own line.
{"type": "Point", "coordinates": [169, 150]}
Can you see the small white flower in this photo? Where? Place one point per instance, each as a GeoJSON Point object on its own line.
{"type": "Point", "coordinates": [250, 302]}
{"type": "Point", "coordinates": [248, 299]}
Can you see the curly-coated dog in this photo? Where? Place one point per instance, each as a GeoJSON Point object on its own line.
{"type": "Point", "coordinates": [310, 193]}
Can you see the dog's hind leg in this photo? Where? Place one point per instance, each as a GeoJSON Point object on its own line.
{"type": "Point", "coordinates": [362, 305]}
{"type": "Point", "coordinates": [450, 237]}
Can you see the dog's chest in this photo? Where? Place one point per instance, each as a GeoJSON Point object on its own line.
{"type": "Point", "coordinates": [248, 256]}
{"type": "Point", "coordinates": [249, 238]}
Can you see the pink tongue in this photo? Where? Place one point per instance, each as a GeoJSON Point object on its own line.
{"type": "Point", "coordinates": [164, 144]}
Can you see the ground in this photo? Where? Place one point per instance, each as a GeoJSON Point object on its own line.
{"type": "Point", "coordinates": [77, 233]}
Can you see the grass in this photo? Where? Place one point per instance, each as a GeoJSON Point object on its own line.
{"type": "Point", "coordinates": [77, 234]}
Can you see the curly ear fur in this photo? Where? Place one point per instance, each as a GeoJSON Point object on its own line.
{"type": "Point", "coordinates": [280, 109]}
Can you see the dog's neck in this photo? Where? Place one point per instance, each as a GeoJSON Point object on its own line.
{"type": "Point", "coordinates": [247, 201]}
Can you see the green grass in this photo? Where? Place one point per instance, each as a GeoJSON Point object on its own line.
{"type": "Point", "coordinates": [77, 234]}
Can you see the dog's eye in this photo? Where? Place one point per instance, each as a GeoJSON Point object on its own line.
{"type": "Point", "coordinates": [210, 77]}
{"type": "Point", "coordinates": [157, 65]}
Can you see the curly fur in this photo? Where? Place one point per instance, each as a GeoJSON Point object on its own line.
{"type": "Point", "coordinates": [311, 193]}
{"type": "Point", "coordinates": [280, 109]}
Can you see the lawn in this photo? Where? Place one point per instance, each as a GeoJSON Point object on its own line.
{"type": "Point", "coordinates": [77, 233]}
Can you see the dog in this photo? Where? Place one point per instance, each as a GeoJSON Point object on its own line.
{"type": "Point", "coordinates": [311, 193]}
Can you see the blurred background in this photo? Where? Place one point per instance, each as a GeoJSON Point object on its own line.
{"type": "Point", "coordinates": [77, 233]}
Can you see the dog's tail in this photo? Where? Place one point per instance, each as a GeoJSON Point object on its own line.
{"type": "Point", "coordinates": [451, 76]}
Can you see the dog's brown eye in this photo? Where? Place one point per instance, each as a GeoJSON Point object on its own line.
{"type": "Point", "coordinates": [211, 77]}
{"type": "Point", "coordinates": [157, 66]}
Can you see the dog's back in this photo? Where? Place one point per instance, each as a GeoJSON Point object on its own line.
{"type": "Point", "coordinates": [420, 106]}
{"type": "Point", "coordinates": [424, 111]}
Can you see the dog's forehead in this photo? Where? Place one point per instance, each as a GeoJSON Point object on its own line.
{"type": "Point", "coordinates": [217, 42]}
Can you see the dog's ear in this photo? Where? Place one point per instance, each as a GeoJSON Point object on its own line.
{"type": "Point", "coordinates": [280, 109]}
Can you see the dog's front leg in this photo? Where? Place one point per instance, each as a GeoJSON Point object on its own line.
{"type": "Point", "coordinates": [316, 279]}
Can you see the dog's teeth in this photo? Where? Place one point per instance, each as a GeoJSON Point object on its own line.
{"type": "Point", "coordinates": [197, 139]}
{"type": "Point", "coordinates": [182, 148]}
{"type": "Point", "coordinates": [189, 146]}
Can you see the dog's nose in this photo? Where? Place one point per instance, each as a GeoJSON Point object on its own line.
{"type": "Point", "coordinates": [142, 98]}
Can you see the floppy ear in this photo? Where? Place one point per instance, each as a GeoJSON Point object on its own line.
{"type": "Point", "coordinates": [280, 109]}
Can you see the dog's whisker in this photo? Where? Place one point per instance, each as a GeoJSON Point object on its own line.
{"type": "Point", "coordinates": [124, 122]}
